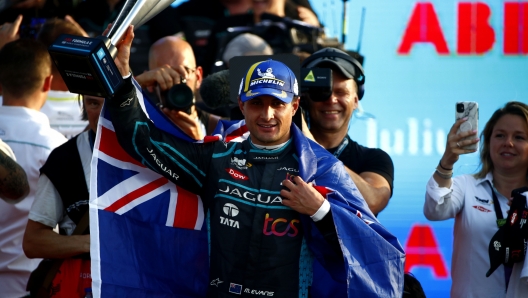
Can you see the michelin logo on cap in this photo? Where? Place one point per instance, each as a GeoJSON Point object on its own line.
{"type": "Point", "coordinates": [266, 78]}
{"type": "Point", "coordinates": [277, 80]}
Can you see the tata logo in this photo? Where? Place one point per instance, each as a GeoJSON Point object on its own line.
{"type": "Point", "coordinates": [229, 222]}
{"type": "Point", "coordinates": [481, 209]}
{"type": "Point", "coordinates": [247, 195]}
{"type": "Point", "coordinates": [288, 169]}
{"type": "Point", "coordinates": [280, 227]}
{"type": "Point", "coordinates": [236, 174]}
{"type": "Point", "coordinates": [230, 210]}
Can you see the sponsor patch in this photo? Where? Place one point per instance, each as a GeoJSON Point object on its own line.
{"type": "Point", "coordinates": [482, 200]}
{"type": "Point", "coordinates": [240, 163]}
{"type": "Point", "coordinates": [236, 174]}
{"type": "Point", "coordinates": [267, 74]}
{"type": "Point", "coordinates": [481, 209]}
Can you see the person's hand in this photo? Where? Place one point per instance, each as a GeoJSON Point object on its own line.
{"type": "Point", "coordinates": [164, 77]}
{"type": "Point", "coordinates": [187, 123]}
{"type": "Point", "coordinates": [70, 20]}
{"type": "Point", "coordinates": [455, 144]}
{"type": "Point", "coordinates": [123, 50]}
{"type": "Point", "coordinates": [25, 4]}
{"type": "Point", "coordinates": [308, 16]}
{"type": "Point", "coordinates": [9, 31]}
{"type": "Point", "coordinates": [301, 196]}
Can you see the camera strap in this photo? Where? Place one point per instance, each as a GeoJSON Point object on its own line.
{"type": "Point", "coordinates": [341, 147]}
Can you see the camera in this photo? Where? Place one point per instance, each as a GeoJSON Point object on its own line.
{"type": "Point", "coordinates": [316, 83]}
{"type": "Point", "coordinates": [460, 108]}
{"type": "Point", "coordinates": [178, 97]}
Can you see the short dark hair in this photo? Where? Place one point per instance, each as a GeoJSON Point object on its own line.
{"type": "Point", "coordinates": [24, 64]}
{"type": "Point", "coordinates": [52, 29]}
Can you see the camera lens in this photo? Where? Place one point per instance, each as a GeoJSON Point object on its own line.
{"type": "Point", "coordinates": [460, 107]}
{"type": "Point", "coordinates": [179, 97]}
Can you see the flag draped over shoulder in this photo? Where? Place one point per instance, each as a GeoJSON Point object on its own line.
{"type": "Point", "coordinates": [148, 237]}
{"type": "Point", "coordinates": [373, 257]}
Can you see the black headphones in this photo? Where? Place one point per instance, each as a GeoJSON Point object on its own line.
{"type": "Point", "coordinates": [360, 74]}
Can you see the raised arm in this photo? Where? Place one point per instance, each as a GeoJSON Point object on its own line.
{"type": "Point", "coordinates": [178, 160]}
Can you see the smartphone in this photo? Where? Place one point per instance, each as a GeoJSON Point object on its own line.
{"type": "Point", "coordinates": [470, 110]}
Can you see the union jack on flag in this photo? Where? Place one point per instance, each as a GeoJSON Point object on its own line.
{"type": "Point", "coordinates": [185, 209]}
{"type": "Point", "coordinates": [142, 225]}
{"type": "Point", "coordinates": [148, 237]}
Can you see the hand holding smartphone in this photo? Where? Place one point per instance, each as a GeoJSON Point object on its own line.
{"type": "Point", "coordinates": [469, 110]}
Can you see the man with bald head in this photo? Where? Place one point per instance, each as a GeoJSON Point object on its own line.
{"type": "Point", "coordinates": [178, 54]}
{"type": "Point", "coordinates": [171, 62]}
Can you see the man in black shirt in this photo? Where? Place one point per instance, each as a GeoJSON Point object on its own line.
{"type": "Point", "coordinates": [371, 169]}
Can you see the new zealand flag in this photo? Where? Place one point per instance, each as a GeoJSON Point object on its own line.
{"type": "Point", "coordinates": [144, 228]}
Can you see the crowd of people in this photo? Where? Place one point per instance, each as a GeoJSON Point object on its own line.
{"type": "Point", "coordinates": [47, 137]}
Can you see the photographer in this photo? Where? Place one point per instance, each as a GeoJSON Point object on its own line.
{"type": "Point", "coordinates": [371, 169]}
{"type": "Point", "coordinates": [175, 80]}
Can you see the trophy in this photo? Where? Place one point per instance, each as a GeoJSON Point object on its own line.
{"type": "Point", "coordinates": [87, 64]}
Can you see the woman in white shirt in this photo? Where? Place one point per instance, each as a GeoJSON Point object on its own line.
{"type": "Point", "coordinates": [469, 199]}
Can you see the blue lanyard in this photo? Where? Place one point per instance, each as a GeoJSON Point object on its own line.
{"type": "Point", "coordinates": [341, 147]}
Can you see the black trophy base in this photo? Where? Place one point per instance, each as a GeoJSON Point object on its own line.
{"type": "Point", "coordinates": [86, 65]}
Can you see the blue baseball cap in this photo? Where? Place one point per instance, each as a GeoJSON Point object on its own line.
{"type": "Point", "coordinates": [269, 77]}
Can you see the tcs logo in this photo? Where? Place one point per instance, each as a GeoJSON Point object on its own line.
{"type": "Point", "coordinates": [270, 227]}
